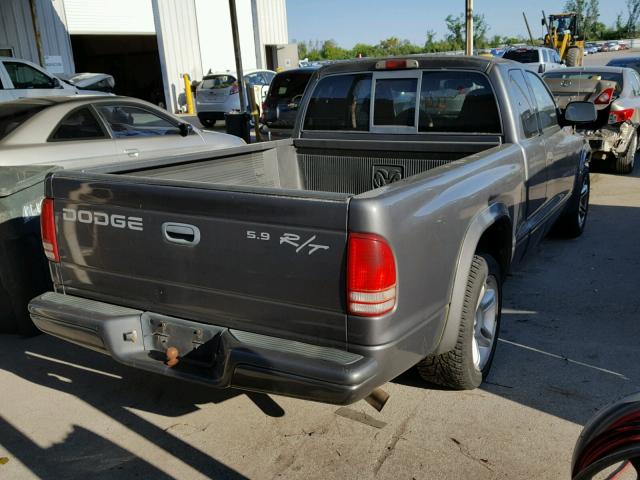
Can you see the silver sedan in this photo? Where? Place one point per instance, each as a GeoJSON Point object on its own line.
{"type": "Point", "coordinates": [87, 130]}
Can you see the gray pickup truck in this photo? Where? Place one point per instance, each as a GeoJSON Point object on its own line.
{"type": "Point", "coordinates": [322, 266]}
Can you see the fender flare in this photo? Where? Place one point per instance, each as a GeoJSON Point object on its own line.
{"type": "Point", "coordinates": [479, 224]}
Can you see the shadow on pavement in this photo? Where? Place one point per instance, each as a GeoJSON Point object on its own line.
{"type": "Point", "coordinates": [114, 390]}
{"type": "Point", "coordinates": [569, 339]}
{"type": "Point", "coordinates": [570, 325]}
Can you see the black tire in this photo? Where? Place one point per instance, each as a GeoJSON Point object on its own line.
{"type": "Point", "coordinates": [625, 163]}
{"type": "Point", "coordinates": [207, 122]}
{"type": "Point", "coordinates": [573, 220]}
{"type": "Point", "coordinates": [573, 57]}
{"type": "Point", "coordinates": [457, 369]}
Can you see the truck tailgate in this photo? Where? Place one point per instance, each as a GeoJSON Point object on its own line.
{"type": "Point", "coordinates": [271, 264]}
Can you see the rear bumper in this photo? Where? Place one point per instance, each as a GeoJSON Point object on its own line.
{"type": "Point", "coordinates": [219, 357]}
{"type": "Point", "coordinates": [610, 139]}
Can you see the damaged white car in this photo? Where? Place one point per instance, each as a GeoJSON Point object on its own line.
{"type": "Point", "coordinates": [615, 91]}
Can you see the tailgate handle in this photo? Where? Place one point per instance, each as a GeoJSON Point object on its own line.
{"type": "Point", "coordinates": [181, 233]}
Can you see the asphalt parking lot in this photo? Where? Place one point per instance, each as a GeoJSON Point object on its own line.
{"type": "Point", "coordinates": [569, 345]}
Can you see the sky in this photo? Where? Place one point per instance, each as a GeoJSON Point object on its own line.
{"type": "Point", "coordinates": [368, 21]}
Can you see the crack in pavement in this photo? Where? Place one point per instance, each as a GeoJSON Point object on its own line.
{"type": "Point", "coordinates": [465, 451]}
{"type": "Point", "coordinates": [395, 438]}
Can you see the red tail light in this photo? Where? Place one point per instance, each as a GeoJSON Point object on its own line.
{"type": "Point", "coordinates": [371, 275]}
{"type": "Point", "coordinates": [48, 230]}
{"type": "Point", "coordinates": [619, 116]}
{"type": "Point", "coordinates": [605, 97]}
{"type": "Point", "coordinates": [234, 88]}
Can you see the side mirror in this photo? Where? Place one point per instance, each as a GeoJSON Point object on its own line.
{"type": "Point", "coordinates": [185, 129]}
{"type": "Point", "coordinates": [580, 112]}
{"type": "Point", "coordinates": [541, 68]}
{"type": "Point", "coordinates": [56, 83]}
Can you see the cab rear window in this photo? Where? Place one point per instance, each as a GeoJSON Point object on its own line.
{"type": "Point", "coordinates": [522, 56]}
{"type": "Point", "coordinates": [448, 101]}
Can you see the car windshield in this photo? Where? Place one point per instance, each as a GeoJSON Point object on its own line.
{"type": "Point", "coordinates": [288, 85]}
{"type": "Point", "coordinates": [522, 55]}
{"type": "Point", "coordinates": [217, 81]}
{"type": "Point", "coordinates": [589, 75]}
{"type": "Point", "coordinates": [14, 115]}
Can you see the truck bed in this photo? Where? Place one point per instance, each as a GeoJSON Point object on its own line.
{"type": "Point", "coordinates": [336, 167]}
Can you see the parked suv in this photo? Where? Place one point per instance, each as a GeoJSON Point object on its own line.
{"type": "Point", "coordinates": [21, 78]}
{"type": "Point", "coordinates": [218, 93]}
{"type": "Point", "coordinates": [536, 59]}
{"type": "Point", "coordinates": [281, 105]}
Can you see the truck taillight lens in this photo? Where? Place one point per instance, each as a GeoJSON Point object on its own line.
{"type": "Point", "coordinates": [605, 97]}
{"type": "Point", "coordinates": [371, 275]}
{"type": "Point", "coordinates": [48, 230]}
{"type": "Point", "coordinates": [619, 116]}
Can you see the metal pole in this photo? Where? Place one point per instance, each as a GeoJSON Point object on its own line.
{"type": "Point", "coordinates": [469, 27]}
{"type": "Point", "coordinates": [238, 54]}
{"type": "Point", "coordinates": [36, 32]}
{"type": "Point", "coordinates": [526, 22]}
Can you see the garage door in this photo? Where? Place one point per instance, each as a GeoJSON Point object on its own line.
{"type": "Point", "coordinates": [100, 17]}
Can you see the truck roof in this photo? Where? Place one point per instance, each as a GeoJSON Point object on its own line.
{"type": "Point", "coordinates": [424, 61]}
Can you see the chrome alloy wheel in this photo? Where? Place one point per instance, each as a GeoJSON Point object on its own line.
{"type": "Point", "coordinates": [583, 205]}
{"type": "Point", "coordinates": [485, 323]}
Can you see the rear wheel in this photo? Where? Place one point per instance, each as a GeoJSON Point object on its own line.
{"type": "Point", "coordinates": [625, 163]}
{"type": "Point", "coordinates": [465, 366]}
{"type": "Point", "coordinates": [573, 57]}
{"type": "Point", "coordinates": [572, 222]}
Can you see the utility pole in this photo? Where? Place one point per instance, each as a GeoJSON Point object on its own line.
{"type": "Point", "coordinates": [526, 22]}
{"type": "Point", "coordinates": [469, 27]}
{"type": "Point", "coordinates": [238, 55]}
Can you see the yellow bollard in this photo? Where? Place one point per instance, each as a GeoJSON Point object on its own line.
{"type": "Point", "coordinates": [188, 94]}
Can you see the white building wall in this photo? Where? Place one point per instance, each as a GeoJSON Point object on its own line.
{"type": "Point", "coordinates": [271, 22]}
{"type": "Point", "coordinates": [178, 45]}
{"type": "Point", "coordinates": [16, 29]}
{"type": "Point", "coordinates": [17, 32]}
{"type": "Point", "coordinates": [216, 40]}
{"type": "Point", "coordinates": [56, 44]}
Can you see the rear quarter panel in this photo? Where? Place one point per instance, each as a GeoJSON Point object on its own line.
{"type": "Point", "coordinates": [425, 219]}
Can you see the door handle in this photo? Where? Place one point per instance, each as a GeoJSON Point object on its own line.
{"type": "Point", "coordinates": [181, 233]}
{"type": "Point", "coordinates": [132, 152]}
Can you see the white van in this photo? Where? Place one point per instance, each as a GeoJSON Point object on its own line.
{"type": "Point", "coordinates": [21, 78]}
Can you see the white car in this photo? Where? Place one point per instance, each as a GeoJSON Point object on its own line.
{"type": "Point", "coordinates": [21, 78]}
{"type": "Point", "coordinates": [218, 93]}
{"type": "Point", "coordinates": [59, 130]}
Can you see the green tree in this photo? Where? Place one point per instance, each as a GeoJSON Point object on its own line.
{"type": "Point", "coordinates": [588, 12]}
{"type": "Point", "coordinates": [633, 10]}
{"type": "Point", "coordinates": [456, 27]}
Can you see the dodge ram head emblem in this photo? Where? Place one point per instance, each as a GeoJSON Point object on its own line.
{"type": "Point", "coordinates": [385, 174]}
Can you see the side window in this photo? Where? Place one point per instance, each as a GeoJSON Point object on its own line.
{"type": "Point", "coordinates": [269, 76]}
{"type": "Point", "coordinates": [524, 104]}
{"type": "Point", "coordinates": [457, 102]}
{"type": "Point", "coordinates": [395, 102]}
{"type": "Point", "coordinates": [79, 125]}
{"type": "Point", "coordinates": [340, 102]}
{"type": "Point", "coordinates": [545, 56]}
{"type": "Point", "coordinates": [254, 79]}
{"type": "Point", "coordinates": [128, 121]}
{"type": "Point", "coordinates": [556, 57]}
{"type": "Point", "coordinates": [25, 76]}
{"type": "Point", "coordinates": [547, 113]}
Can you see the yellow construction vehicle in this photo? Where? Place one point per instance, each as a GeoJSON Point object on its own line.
{"type": "Point", "coordinates": [562, 35]}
